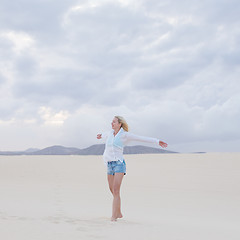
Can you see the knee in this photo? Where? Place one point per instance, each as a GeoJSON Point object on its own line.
{"type": "Point", "coordinates": [116, 191]}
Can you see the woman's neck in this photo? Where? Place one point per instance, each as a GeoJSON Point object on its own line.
{"type": "Point", "coordinates": [116, 132]}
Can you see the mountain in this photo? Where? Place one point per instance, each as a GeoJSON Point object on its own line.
{"type": "Point", "coordinates": [139, 149]}
{"type": "Point", "coordinates": [56, 150]}
{"type": "Point", "coordinates": [29, 150]}
{"type": "Point", "coordinates": [96, 149]}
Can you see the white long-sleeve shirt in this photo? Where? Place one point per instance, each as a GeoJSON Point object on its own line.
{"type": "Point", "coordinates": [115, 144]}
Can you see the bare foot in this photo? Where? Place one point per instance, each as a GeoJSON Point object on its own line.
{"type": "Point", "coordinates": [114, 219]}
{"type": "Point", "coordinates": [120, 215]}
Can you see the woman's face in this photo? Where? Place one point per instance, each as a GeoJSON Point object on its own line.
{"type": "Point", "coordinates": [115, 124]}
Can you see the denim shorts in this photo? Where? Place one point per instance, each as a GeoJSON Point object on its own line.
{"type": "Point", "coordinates": [116, 167]}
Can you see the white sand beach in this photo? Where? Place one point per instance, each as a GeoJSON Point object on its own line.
{"type": "Point", "coordinates": [164, 196]}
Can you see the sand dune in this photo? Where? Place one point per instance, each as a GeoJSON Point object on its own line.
{"type": "Point", "coordinates": [164, 196]}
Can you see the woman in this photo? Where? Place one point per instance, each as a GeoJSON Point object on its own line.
{"type": "Point", "coordinates": [113, 158]}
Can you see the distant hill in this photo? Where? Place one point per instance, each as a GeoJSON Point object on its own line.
{"type": "Point", "coordinates": [56, 150]}
{"type": "Point", "coordinates": [96, 149]}
{"type": "Point", "coordinates": [139, 149]}
{"type": "Point", "coordinates": [32, 150]}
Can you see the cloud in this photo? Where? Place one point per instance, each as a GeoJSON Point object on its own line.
{"type": "Point", "coordinates": [171, 68]}
{"type": "Point", "coordinates": [39, 18]}
{"type": "Point", "coordinates": [52, 118]}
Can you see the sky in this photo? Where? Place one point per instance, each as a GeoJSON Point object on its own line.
{"type": "Point", "coordinates": [170, 68]}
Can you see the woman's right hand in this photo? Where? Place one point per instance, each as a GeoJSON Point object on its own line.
{"type": "Point", "coordinates": [99, 136]}
{"type": "Point", "coordinates": [163, 144]}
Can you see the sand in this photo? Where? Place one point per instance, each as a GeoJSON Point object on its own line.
{"type": "Point", "coordinates": [164, 196]}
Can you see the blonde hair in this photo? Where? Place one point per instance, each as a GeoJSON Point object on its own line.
{"type": "Point", "coordinates": [123, 122]}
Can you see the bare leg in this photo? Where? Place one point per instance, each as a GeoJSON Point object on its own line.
{"type": "Point", "coordinates": [114, 185]}
{"type": "Point", "coordinates": [110, 182]}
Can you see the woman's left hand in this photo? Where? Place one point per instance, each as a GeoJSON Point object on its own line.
{"type": "Point", "coordinates": [163, 144]}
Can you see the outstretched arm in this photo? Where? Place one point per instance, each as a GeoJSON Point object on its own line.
{"type": "Point", "coordinates": [132, 137]}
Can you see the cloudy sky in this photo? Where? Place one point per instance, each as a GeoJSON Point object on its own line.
{"type": "Point", "coordinates": [171, 68]}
